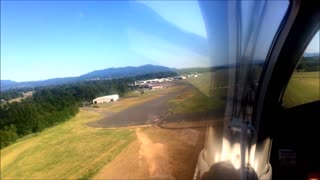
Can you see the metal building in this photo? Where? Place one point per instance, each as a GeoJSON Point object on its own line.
{"type": "Point", "coordinates": [105, 99]}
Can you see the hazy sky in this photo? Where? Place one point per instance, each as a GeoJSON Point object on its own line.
{"type": "Point", "coordinates": [41, 40]}
{"type": "Point", "coordinates": [314, 45]}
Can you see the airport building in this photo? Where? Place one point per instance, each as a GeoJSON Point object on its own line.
{"type": "Point", "coordinates": [105, 99]}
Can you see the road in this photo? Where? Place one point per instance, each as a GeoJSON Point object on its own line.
{"type": "Point", "coordinates": [146, 113]}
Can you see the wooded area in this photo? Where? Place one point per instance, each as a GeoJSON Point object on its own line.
{"type": "Point", "coordinates": [51, 105]}
{"type": "Point", "coordinates": [309, 64]}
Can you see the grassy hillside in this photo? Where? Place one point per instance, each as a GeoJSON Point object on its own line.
{"type": "Point", "coordinates": [303, 87]}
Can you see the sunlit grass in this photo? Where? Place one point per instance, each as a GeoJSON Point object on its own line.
{"type": "Point", "coordinates": [199, 99]}
{"type": "Point", "coordinates": [302, 88]}
{"type": "Point", "coordinates": [72, 150]}
{"type": "Point", "coordinates": [67, 151]}
{"type": "Point", "coordinates": [202, 83]}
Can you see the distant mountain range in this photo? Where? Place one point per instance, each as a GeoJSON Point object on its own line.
{"type": "Point", "coordinates": [121, 72]}
{"type": "Point", "coordinates": [110, 73]}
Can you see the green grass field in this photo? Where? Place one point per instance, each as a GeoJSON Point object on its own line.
{"type": "Point", "coordinates": [71, 150]}
{"type": "Point", "coordinates": [67, 151]}
{"type": "Point", "coordinates": [191, 101]}
{"type": "Point", "coordinates": [303, 87]}
{"type": "Point", "coordinates": [202, 83]}
{"type": "Point", "coordinates": [200, 99]}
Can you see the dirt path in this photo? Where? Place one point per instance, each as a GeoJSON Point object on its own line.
{"type": "Point", "coordinates": [158, 154]}
{"type": "Point", "coordinates": [125, 166]}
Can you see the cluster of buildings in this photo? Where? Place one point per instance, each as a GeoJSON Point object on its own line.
{"type": "Point", "coordinates": [149, 84]}
{"type": "Point", "coordinates": [156, 83]}
{"type": "Point", "coordinates": [193, 75]}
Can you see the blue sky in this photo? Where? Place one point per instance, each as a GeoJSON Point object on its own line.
{"type": "Point", "coordinates": [42, 40]}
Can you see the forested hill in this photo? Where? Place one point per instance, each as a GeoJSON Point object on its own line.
{"type": "Point", "coordinates": [128, 71]}
{"type": "Point", "coordinates": [110, 73]}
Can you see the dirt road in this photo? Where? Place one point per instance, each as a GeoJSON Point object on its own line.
{"type": "Point", "coordinates": [159, 153]}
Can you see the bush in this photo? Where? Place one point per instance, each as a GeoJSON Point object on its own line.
{"type": "Point", "coordinates": [8, 136]}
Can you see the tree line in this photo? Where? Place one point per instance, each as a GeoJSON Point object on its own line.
{"type": "Point", "coordinates": [45, 108]}
{"type": "Point", "coordinates": [12, 94]}
{"type": "Point", "coordinates": [309, 64]}
{"type": "Point", "coordinates": [51, 105]}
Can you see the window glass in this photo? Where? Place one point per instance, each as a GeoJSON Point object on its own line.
{"type": "Point", "coordinates": [304, 84]}
{"type": "Point", "coordinates": [130, 89]}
